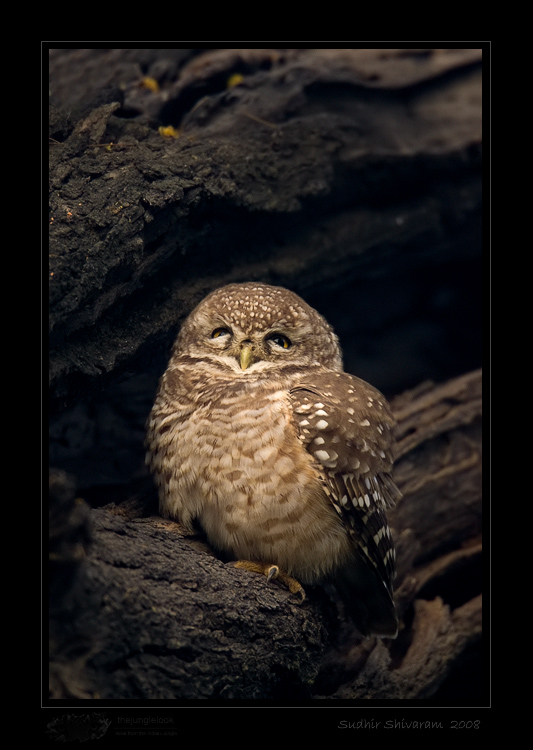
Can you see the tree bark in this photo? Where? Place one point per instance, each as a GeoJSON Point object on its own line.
{"type": "Point", "coordinates": [333, 172]}
{"type": "Point", "coordinates": [352, 177]}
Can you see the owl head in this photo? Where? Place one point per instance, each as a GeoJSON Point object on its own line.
{"type": "Point", "coordinates": [252, 328]}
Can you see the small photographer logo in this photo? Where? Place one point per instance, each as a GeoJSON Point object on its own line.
{"type": "Point", "coordinates": [79, 727]}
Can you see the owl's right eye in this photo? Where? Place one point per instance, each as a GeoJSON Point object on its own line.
{"type": "Point", "coordinates": [220, 332]}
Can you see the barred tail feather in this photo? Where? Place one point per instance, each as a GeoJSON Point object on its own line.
{"type": "Point", "coordinates": [367, 600]}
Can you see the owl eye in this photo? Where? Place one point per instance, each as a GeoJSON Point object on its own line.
{"type": "Point", "coordinates": [218, 332]}
{"type": "Point", "coordinates": [280, 340]}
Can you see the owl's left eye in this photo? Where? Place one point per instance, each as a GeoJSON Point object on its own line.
{"type": "Point", "coordinates": [280, 340]}
{"type": "Point", "coordinates": [219, 332]}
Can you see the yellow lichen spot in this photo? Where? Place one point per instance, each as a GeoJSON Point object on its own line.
{"type": "Point", "coordinates": [234, 80]}
{"type": "Point", "coordinates": [167, 131]}
{"type": "Point", "coordinates": [150, 83]}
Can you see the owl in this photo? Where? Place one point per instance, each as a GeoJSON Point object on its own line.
{"type": "Point", "coordinates": [284, 460]}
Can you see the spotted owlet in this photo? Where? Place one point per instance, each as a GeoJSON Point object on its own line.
{"type": "Point", "coordinates": [283, 459]}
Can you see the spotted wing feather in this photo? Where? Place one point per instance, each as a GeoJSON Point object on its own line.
{"type": "Point", "coordinates": [347, 426]}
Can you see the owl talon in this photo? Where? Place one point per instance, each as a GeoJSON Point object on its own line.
{"type": "Point", "coordinates": [273, 572]}
{"type": "Point", "coordinates": [294, 586]}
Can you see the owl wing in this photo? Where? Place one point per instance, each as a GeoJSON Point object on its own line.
{"type": "Point", "coordinates": [346, 425]}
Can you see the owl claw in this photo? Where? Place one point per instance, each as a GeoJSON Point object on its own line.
{"type": "Point", "coordinates": [294, 586]}
{"type": "Point", "coordinates": [273, 572]}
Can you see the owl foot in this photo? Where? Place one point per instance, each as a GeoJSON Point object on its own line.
{"type": "Point", "coordinates": [273, 572]}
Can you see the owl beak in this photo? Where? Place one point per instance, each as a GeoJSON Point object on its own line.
{"type": "Point", "coordinates": [247, 356]}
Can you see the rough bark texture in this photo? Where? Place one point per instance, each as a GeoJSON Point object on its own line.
{"type": "Point", "coordinates": [352, 177]}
